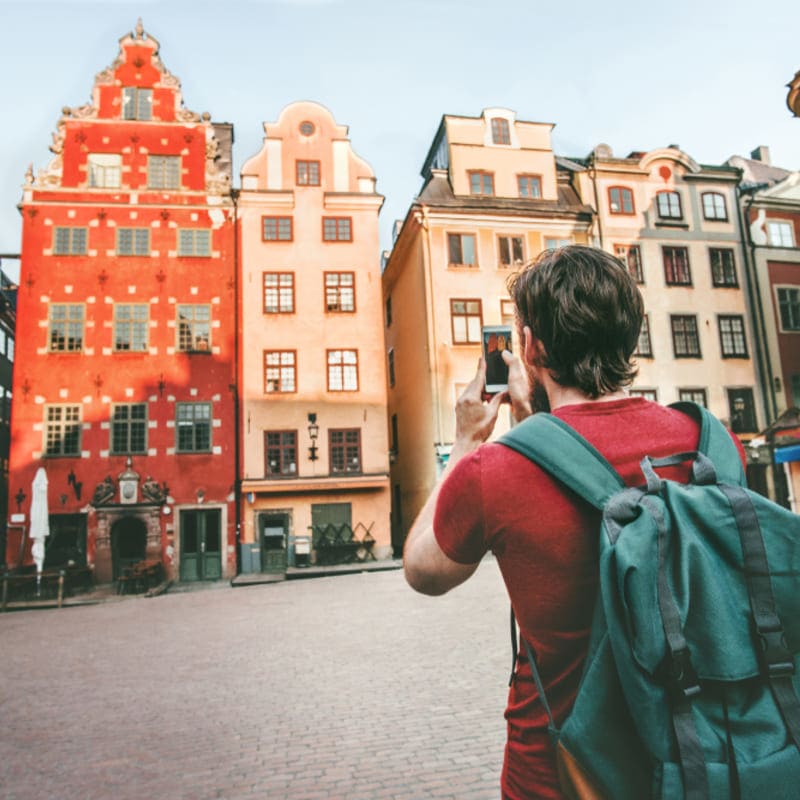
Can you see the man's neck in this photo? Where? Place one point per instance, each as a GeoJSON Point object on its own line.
{"type": "Point", "coordinates": [569, 395]}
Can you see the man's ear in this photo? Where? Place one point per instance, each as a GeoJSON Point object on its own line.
{"type": "Point", "coordinates": [533, 353]}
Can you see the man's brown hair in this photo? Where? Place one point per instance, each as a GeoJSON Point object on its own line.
{"type": "Point", "coordinates": [586, 309]}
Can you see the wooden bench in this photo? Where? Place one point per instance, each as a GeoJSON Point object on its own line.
{"type": "Point", "coordinates": [53, 583]}
{"type": "Point", "coordinates": [140, 577]}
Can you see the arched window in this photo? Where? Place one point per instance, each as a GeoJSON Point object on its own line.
{"type": "Point", "coordinates": [620, 200]}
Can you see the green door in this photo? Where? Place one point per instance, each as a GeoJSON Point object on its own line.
{"type": "Point", "coordinates": [201, 545]}
{"type": "Point", "coordinates": [274, 531]}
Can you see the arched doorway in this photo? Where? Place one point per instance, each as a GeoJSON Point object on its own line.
{"type": "Point", "coordinates": [128, 543]}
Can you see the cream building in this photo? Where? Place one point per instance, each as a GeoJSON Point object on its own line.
{"type": "Point", "coordinates": [314, 456]}
{"type": "Point", "coordinates": [493, 197]}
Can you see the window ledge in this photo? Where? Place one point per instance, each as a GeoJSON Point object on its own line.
{"type": "Point", "coordinates": [669, 223]}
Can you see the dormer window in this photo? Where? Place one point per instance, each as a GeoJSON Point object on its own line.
{"type": "Point", "coordinates": [137, 103]}
{"type": "Point", "coordinates": [620, 200]}
{"type": "Point", "coordinates": [500, 131]}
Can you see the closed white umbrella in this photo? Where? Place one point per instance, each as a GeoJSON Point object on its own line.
{"type": "Point", "coordinates": [40, 523]}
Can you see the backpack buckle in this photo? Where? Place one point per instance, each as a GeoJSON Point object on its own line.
{"type": "Point", "coordinates": [682, 679]}
{"type": "Point", "coordinates": [776, 660]}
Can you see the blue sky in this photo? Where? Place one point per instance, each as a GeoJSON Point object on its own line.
{"type": "Point", "coordinates": [710, 76]}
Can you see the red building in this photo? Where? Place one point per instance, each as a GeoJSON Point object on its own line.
{"type": "Point", "coordinates": [125, 383]}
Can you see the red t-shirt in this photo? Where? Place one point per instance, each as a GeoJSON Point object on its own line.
{"type": "Point", "coordinates": [545, 540]}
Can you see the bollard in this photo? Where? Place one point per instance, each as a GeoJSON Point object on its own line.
{"type": "Point", "coordinates": [60, 587]}
{"type": "Point", "coordinates": [5, 592]}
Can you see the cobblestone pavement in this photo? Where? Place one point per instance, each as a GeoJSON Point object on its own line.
{"type": "Point", "coordinates": [350, 687]}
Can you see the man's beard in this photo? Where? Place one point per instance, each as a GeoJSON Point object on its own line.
{"type": "Point", "coordinates": [539, 399]}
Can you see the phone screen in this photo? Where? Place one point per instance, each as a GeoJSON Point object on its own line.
{"type": "Point", "coordinates": [496, 338]}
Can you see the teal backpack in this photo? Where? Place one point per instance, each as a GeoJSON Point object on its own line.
{"type": "Point", "coordinates": [690, 686]}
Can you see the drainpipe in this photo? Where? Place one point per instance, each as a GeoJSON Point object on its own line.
{"type": "Point", "coordinates": [756, 306]}
{"type": "Point", "coordinates": [593, 176]}
{"type": "Point", "coordinates": [237, 493]}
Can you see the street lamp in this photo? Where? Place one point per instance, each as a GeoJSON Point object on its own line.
{"type": "Point", "coordinates": [313, 432]}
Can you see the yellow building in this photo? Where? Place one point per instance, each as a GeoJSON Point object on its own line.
{"type": "Point", "coordinates": [493, 198]}
{"type": "Point", "coordinates": [314, 455]}
{"type": "Point", "coordinates": [676, 224]}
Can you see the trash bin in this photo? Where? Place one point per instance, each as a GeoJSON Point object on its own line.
{"type": "Point", "coordinates": [302, 551]}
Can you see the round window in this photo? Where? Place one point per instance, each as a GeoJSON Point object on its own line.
{"type": "Point", "coordinates": [306, 128]}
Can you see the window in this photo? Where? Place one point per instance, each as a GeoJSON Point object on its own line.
{"type": "Point", "coordinates": [395, 436]}
{"type": "Point", "coordinates": [344, 446]}
{"type": "Point", "coordinates": [714, 206]}
{"type": "Point", "coordinates": [133, 242]}
{"type": "Point", "coordinates": [104, 170]}
{"type": "Point", "coordinates": [795, 395]}
{"type": "Point", "coordinates": [780, 234]}
{"type": "Point", "coordinates": [340, 291]}
{"type": "Point", "coordinates": [553, 243]}
{"type": "Point", "coordinates": [137, 103]}
{"type": "Point", "coordinates": [789, 308]}
{"type": "Point", "coordinates": [65, 334]}
{"type": "Point", "coordinates": [307, 128]}
{"type": "Point", "coordinates": [131, 321]}
{"type": "Point", "coordinates": [280, 371]}
{"type": "Point", "coordinates": [723, 269]}
{"type": "Point", "coordinates": [466, 318]}
{"type": "Point", "coordinates": [731, 336]}
{"type": "Point", "coordinates": [129, 428]}
{"type": "Point", "coordinates": [742, 410]}
{"type": "Point", "coordinates": [644, 348]}
{"type": "Point", "coordinates": [481, 183]}
{"type": "Point", "coordinates": [507, 316]}
{"type": "Point", "coordinates": [342, 370]}
{"type": "Point", "coordinates": [676, 266]}
{"type": "Point", "coordinates": [685, 340]}
{"type": "Point", "coordinates": [461, 250]}
{"type": "Point", "coordinates": [500, 131]}
{"type": "Point", "coordinates": [510, 251]}
{"type": "Point", "coordinates": [193, 423]}
{"type": "Point", "coordinates": [194, 328]}
{"type": "Point", "coordinates": [278, 292]}
{"type": "Point", "coordinates": [307, 173]}
{"type": "Point", "coordinates": [631, 256]}
{"type": "Point", "coordinates": [668, 205]}
{"type": "Point", "coordinates": [647, 394]}
{"type": "Point", "coordinates": [280, 450]}
{"type": "Point", "coordinates": [391, 367]}
{"type": "Point", "coordinates": [529, 186]}
{"type": "Point", "coordinates": [337, 229]}
{"type": "Point", "coordinates": [194, 242]}
{"type": "Point", "coordinates": [163, 172]}
{"type": "Point", "coordinates": [5, 411]}
{"type": "Point", "coordinates": [70, 241]}
{"type": "Point", "coordinates": [388, 311]}
{"type": "Point", "coordinates": [693, 396]}
{"type": "Point", "coordinates": [620, 200]}
{"type": "Point", "coordinates": [62, 430]}
{"type": "Point", "coordinates": [277, 229]}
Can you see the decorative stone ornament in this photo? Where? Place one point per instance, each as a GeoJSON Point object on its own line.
{"type": "Point", "coordinates": [128, 484]}
{"type": "Point", "coordinates": [793, 99]}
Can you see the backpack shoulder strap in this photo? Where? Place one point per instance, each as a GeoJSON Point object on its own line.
{"type": "Point", "coordinates": [716, 443]}
{"type": "Point", "coordinates": [566, 455]}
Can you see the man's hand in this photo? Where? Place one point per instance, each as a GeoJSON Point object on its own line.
{"type": "Point", "coordinates": [475, 419]}
{"type": "Point", "coordinates": [519, 388]}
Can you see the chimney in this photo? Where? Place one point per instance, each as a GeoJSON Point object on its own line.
{"type": "Point", "coordinates": [761, 153]}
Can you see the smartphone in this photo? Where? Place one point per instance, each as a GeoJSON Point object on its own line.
{"type": "Point", "coordinates": [496, 338]}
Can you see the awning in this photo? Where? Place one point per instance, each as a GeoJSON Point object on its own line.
{"type": "Point", "coordinates": [784, 455]}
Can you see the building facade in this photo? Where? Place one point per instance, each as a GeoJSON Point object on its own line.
{"type": "Point", "coordinates": [8, 321]}
{"type": "Point", "coordinates": [314, 468]}
{"type": "Point", "coordinates": [125, 385]}
{"type": "Point", "coordinates": [493, 197]}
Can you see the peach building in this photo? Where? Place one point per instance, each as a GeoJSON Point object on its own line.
{"type": "Point", "coordinates": [493, 198]}
{"type": "Point", "coordinates": [314, 456]}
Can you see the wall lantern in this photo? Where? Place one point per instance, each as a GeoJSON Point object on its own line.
{"type": "Point", "coordinates": [313, 432]}
{"type": "Point", "coordinates": [20, 497]}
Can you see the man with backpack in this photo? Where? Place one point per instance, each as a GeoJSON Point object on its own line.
{"type": "Point", "coordinates": [579, 314]}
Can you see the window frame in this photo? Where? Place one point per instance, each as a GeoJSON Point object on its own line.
{"type": "Point", "coordinates": [307, 172]}
{"type": "Point", "coordinates": [466, 316]}
{"type": "Point", "coordinates": [673, 250]}
{"type": "Point", "coordinates": [332, 367]}
{"type": "Point", "coordinates": [670, 195]}
{"type": "Point", "coordinates": [647, 394]}
{"type": "Point", "coordinates": [461, 236]}
{"type": "Point", "coordinates": [789, 308]}
{"type": "Point", "coordinates": [134, 325]}
{"type": "Point", "coordinates": [164, 172]}
{"type": "Point", "coordinates": [708, 203]}
{"type": "Point", "coordinates": [623, 253]}
{"type": "Point", "coordinates": [644, 331]}
{"type": "Point", "coordinates": [199, 241]}
{"type": "Point", "coordinates": [737, 339]}
{"type": "Point", "coordinates": [338, 308]}
{"type": "Point", "coordinates": [68, 322]}
{"type": "Point", "coordinates": [194, 406]}
{"type": "Point", "coordinates": [690, 395]}
{"type": "Point", "coordinates": [286, 376]}
{"type": "Point", "coordinates": [344, 448]}
{"type": "Point", "coordinates": [683, 318]}
{"type": "Point", "coordinates": [529, 179]}
{"type": "Point", "coordinates": [135, 248]}
{"type": "Point", "coordinates": [724, 277]}
{"type": "Point", "coordinates": [284, 449]}
{"type": "Point", "coordinates": [501, 131]}
{"type": "Point", "coordinates": [280, 223]}
{"type": "Point", "coordinates": [77, 243]}
{"type": "Point", "coordinates": [129, 422]}
{"type": "Point", "coordinates": [192, 323]}
{"type": "Point", "coordinates": [784, 225]}
{"type": "Point", "coordinates": [67, 426]}
{"type": "Point", "coordinates": [624, 193]}
{"type": "Point", "coordinates": [280, 291]}
{"type": "Point", "coordinates": [96, 169]}
{"type": "Point", "coordinates": [342, 228]}
{"type": "Point", "coordinates": [510, 238]}
{"type": "Point", "coordinates": [142, 97]}
{"type": "Point", "coordinates": [391, 366]}
{"type": "Point", "coordinates": [485, 181]}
